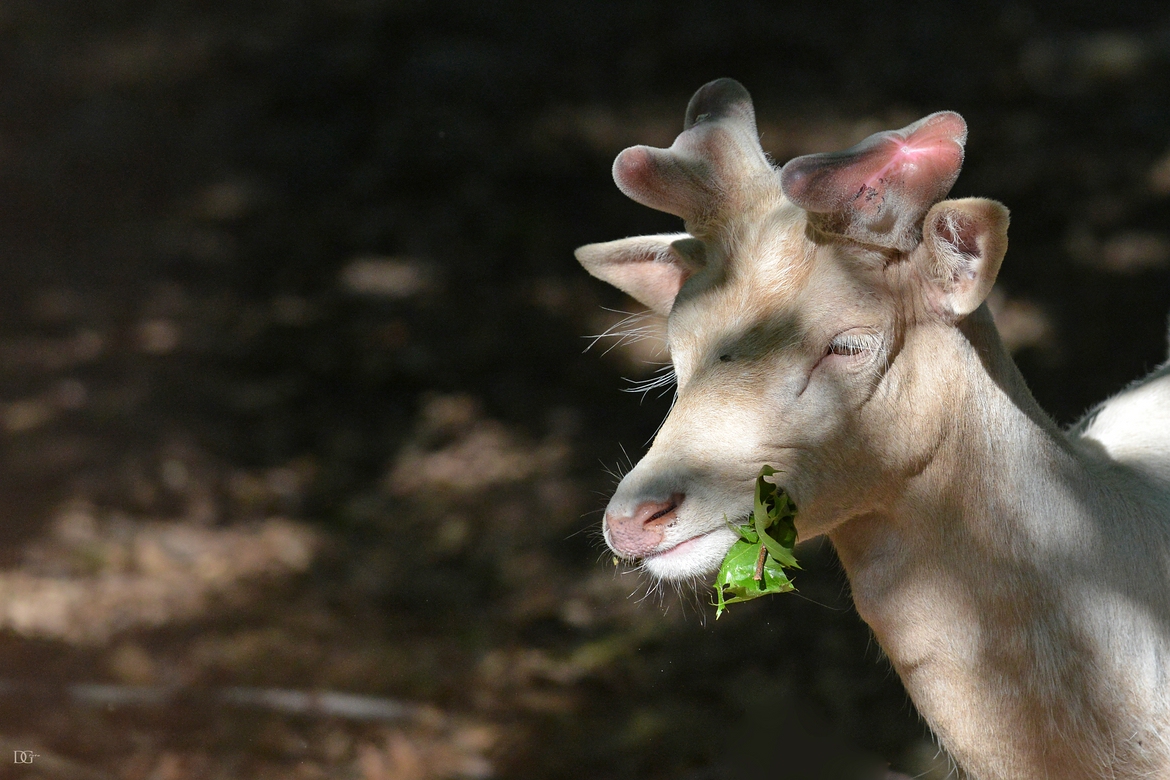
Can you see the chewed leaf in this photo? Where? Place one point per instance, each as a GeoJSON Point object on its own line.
{"type": "Point", "coordinates": [739, 567]}
{"type": "Point", "coordinates": [754, 566]}
{"type": "Point", "coordinates": [746, 533]}
{"type": "Point", "coordinates": [737, 577]}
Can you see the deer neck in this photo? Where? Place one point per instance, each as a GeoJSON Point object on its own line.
{"type": "Point", "coordinates": [961, 577]}
{"type": "Point", "coordinates": [997, 472]}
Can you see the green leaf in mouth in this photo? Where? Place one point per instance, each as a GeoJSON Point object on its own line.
{"type": "Point", "coordinates": [755, 564]}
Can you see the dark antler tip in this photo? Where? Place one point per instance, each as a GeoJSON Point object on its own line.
{"type": "Point", "coordinates": [792, 174]}
{"type": "Point", "coordinates": [717, 99]}
{"type": "Point", "coordinates": [795, 178]}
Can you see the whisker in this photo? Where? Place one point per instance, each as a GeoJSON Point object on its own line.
{"type": "Point", "coordinates": [621, 328]}
{"type": "Point", "coordinates": [583, 529]}
{"type": "Point", "coordinates": [664, 378]}
{"type": "Point", "coordinates": [629, 462]}
{"type": "Point", "coordinates": [673, 401]}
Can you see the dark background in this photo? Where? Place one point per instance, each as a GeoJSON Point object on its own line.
{"type": "Point", "coordinates": [293, 392]}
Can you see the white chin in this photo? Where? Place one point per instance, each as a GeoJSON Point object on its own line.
{"type": "Point", "coordinates": [695, 557]}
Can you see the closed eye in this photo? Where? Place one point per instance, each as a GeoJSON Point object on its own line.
{"type": "Point", "coordinates": [853, 344]}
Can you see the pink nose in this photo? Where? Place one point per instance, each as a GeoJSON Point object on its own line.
{"type": "Point", "coordinates": [638, 534]}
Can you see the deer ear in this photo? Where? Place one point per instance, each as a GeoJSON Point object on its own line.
{"type": "Point", "coordinates": [963, 244]}
{"type": "Point", "coordinates": [650, 269]}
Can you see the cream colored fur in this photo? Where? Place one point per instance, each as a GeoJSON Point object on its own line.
{"type": "Point", "coordinates": [1017, 577]}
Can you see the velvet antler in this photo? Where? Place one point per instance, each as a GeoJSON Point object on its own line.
{"type": "Point", "coordinates": [715, 166]}
{"type": "Point", "coordinates": [879, 191]}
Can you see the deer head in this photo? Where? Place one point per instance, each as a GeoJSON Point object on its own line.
{"type": "Point", "coordinates": [814, 313]}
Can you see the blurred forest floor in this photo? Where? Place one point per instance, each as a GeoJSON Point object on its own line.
{"type": "Point", "coordinates": [301, 456]}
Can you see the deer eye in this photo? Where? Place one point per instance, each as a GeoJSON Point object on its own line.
{"type": "Point", "coordinates": [853, 344]}
{"type": "Point", "coordinates": [725, 358]}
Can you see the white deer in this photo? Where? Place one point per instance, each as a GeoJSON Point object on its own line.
{"type": "Point", "coordinates": [827, 319]}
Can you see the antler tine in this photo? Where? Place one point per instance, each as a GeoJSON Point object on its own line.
{"type": "Point", "coordinates": [705, 170]}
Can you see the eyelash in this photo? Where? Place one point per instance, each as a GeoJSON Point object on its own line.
{"type": "Point", "coordinates": [853, 344]}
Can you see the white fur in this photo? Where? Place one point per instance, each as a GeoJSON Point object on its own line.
{"type": "Point", "coordinates": [1017, 576]}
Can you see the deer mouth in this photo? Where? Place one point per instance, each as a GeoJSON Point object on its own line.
{"type": "Point", "coordinates": [699, 555]}
{"type": "Point", "coordinates": [680, 547]}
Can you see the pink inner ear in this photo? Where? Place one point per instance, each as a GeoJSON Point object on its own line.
{"type": "Point", "coordinates": [884, 184]}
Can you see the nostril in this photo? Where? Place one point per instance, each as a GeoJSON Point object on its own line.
{"type": "Point", "coordinates": [658, 513]}
{"type": "Point", "coordinates": [638, 534]}
{"type": "Point", "coordinates": [663, 513]}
